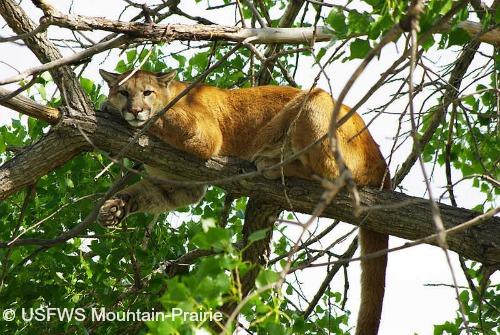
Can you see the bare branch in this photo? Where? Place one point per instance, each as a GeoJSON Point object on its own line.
{"type": "Point", "coordinates": [159, 32]}
{"type": "Point", "coordinates": [450, 95]}
{"type": "Point", "coordinates": [329, 276]}
{"type": "Point", "coordinates": [29, 107]}
{"type": "Point", "coordinates": [71, 59]}
{"type": "Point", "coordinates": [46, 52]}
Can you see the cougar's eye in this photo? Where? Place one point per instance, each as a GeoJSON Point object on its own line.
{"type": "Point", "coordinates": [124, 93]}
{"type": "Point", "coordinates": [147, 92]}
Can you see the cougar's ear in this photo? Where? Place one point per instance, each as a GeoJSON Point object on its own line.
{"type": "Point", "coordinates": [167, 77]}
{"type": "Point", "coordinates": [110, 77]}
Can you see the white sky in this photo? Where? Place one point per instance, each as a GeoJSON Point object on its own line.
{"type": "Point", "coordinates": [409, 306]}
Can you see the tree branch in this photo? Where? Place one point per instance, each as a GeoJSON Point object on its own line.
{"type": "Point", "coordinates": [71, 59]}
{"type": "Point", "coordinates": [329, 276]}
{"type": "Point", "coordinates": [36, 161]}
{"type": "Point", "coordinates": [45, 51]}
{"type": "Point", "coordinates": [29, 107]}
{"type": "Point", "coordinates": [451, 94]}
{"type": "Point", "coordinates": [291, 12]}
{"type": "Point", "coordinates": [159, 32]}
{"type": "Point", "coordinates": [382, 208]}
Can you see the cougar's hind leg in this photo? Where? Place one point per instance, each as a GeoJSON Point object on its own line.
{"type": "Point", "coordinates": [312, 123]}
{"type": "Point", "coordinates": [300, 123]}
{"type": "Point", "coordinates": [292, 169]}
{"type": "Point", "coordinates": [147, 197]}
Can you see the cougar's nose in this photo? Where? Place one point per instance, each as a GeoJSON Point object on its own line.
{"type": "Point", "coordinates": [135, 110]}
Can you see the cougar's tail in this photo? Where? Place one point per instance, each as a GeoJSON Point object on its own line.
{"type": "Point", "coordinates": [372, 282]}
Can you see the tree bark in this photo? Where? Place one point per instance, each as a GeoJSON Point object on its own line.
{"type": "Point", "coordinates": [389, 212]}
{"type": "Point", "coordinates": [30, 108]}
{"type": "Point", "coordinates": [35, 161]}
{"type": "Point", "coordinates": [110, 133]}
{"type": "Point", "coordinates": [157, 33]}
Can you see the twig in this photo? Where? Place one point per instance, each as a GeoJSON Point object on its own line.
{"type": "Point", "coordinates": [328, 278]}
{"type": "Point", "coordinates": [256, 13]}
{"type": "Point", "coordinates": [429, 239]}
{"type": "Point", "coordinates": [78, 228]}
{"type": "Point", "coordinates": [71, 59]}
{"type": "Point", "coordinates": [19, 90]}
{"type": "Point", "coordinates": [42, 27]}
{"type": "Point", "coordinates": [414, 13]}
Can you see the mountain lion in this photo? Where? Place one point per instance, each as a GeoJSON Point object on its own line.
{"type": "Point", "coordinates": [252, 124]}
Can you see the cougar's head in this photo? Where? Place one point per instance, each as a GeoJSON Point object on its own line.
{"type": "Point", "coordinates": [140, 96]}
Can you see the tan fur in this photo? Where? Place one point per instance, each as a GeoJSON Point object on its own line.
{"type": "Point", "coordinates": [252, 124]}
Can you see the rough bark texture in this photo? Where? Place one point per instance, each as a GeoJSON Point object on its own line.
{"type": "Point", "coordinates": [31, 108]}
{"type": "Point", "coordinates": [399, 215]}
{"type": "Point", "coordinates": [111, 134]}
{"type": "Point", "coordinates": [260, 214]}
{"type": "Point", "coordinates": [37, 160]}
{"type": "Point", "coordinates": [160, 32]}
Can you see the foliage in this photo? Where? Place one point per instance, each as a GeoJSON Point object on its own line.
{"type": "Point", "coordinates": [480, 303]}
{"type": "Point", "coordinates": [120, 269]}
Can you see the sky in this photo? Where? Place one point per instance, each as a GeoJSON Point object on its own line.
{"type": "Point", "coordinates": [410, 307]}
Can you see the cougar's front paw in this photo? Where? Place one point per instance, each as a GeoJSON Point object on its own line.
{"type": "Point", "coordinates": [112, 212]}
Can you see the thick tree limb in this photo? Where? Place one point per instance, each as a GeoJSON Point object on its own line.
{"type": "Point", "coordinates": [111, 134]}
{"type": "Point", "coordinates": [159, 32]}
{"type": "Point", "coordinates": [29, 107]}
{"type": "Point", "coordinates": [36, 161]}
{"type": "Point", "coordinates": [480, 243]}
{"type": "Point", "coordinates": [260, 214]}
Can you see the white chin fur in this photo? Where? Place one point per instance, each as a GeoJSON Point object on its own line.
{"type": "Point", "coordinates": [128, 116]}
{"type": "Point", "coordinates": [136, 120]}
{"type": "Point", "coordinates": [136, 123]}
{"type": "Point", "coordinates": [143, 116]}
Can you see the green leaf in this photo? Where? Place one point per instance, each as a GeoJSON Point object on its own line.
{"type": "Point", "coordinates": [122, 67]}
{"type": "Point", "coordinates": [180, 59]}
{"type": "Point", "coordinates": [86, 85]}
{"type": "Point", "coordinates": [43, 93]}
{"type": "Point", "coordinates": [131, 55]}
{"type": "Point", "coordinates": [359, 48]}
{"type": "Point", "coordinates": [213, 238]}
{"type": "Point", "coordinates": [428, 43]}
{"type": "Point", "coordinates": [359, 23]}
{"type": "Point", "coordinates": [258, 235]}
{"type": "Point", "coordinates": [69, 183]}
{"type": "Point", "coordinates": [445, 6]}
{"type": "Point", "coordinates": [337, 20]}
{"type": "Point", "coordinates": [266, 277]}
{"type": "Point", "coordinates": [469, 100]}
{"type": "Point", "coordinates": [458, 36]}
